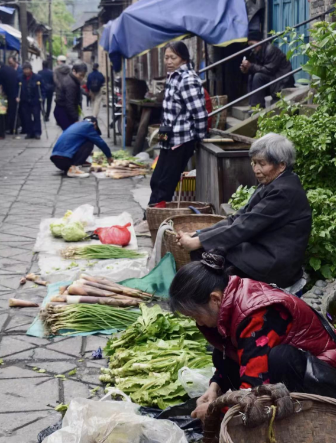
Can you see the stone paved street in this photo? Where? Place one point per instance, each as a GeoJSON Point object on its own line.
{"type": "Point", "coordinates": [32, 189]}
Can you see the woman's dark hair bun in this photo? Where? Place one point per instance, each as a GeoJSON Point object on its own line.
{"type": "Point", "coordinates": [213, 261]}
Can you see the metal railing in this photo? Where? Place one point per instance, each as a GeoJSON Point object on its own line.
{"type": "Point", "coordinates": [268, 39]}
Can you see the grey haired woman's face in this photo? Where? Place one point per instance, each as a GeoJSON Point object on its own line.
{"type": "Point", "coordinates": [265, 171]}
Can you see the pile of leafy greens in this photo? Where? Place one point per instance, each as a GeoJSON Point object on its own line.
{"type": "Point", "coordinates": [145, 359]}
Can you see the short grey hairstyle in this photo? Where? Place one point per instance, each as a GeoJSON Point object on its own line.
{"type": "Point", "coordinates": [275, 149]}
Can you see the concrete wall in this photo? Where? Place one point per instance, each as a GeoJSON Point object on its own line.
{"type": "Point", "coordinates": [318, 6]}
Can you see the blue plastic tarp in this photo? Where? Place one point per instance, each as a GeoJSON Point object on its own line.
{"type": "Point", "coordinates": [12, 42]}
{"type": "Point", "coordinates": [150, 23]}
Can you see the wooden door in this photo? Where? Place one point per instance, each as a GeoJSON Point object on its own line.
{"type": "Point", "coordinates": [283, 13]}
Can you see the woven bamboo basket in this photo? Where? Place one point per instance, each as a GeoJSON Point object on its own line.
{"type": "Point", "coordinates": [186, 223]}
{"type": "Point", "coordinates": [219, 121]}
{"type": "Point", "coordinates": [155, 216]}
{"type": "Point", "coordinates": [311, 420]}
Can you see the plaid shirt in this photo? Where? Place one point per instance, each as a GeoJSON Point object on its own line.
{"type": "Point", "coordinates": [184, 106]}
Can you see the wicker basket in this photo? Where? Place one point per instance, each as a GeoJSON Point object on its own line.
{"type": "Point", "coordinates": [186, 223]}
{"type": "Point", "coordinates": [155, 216]}
{"type": "Point", "coordinates": [314, 424]}
{"type": "Point", "coordinates": [219, 121]}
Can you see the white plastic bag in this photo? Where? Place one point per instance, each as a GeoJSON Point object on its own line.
{"type": "Point", "coordinates": [195, 381]}
{"type": "Point", "coordinates": [88, 421]}
{"type": "Point", "coordinates": [83, 214]}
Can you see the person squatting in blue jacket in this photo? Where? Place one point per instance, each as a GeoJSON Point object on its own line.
{"type": "Point", "coordinates": [76, 144]}
{"type": "Point", "coordinates": [32, 92]}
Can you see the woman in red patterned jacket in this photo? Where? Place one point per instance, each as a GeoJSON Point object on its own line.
{"type": "Point", "coordinates": [260, 333]}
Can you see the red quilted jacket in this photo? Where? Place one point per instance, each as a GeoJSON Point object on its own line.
{"type": "Point", "coordinates": [243, 296]}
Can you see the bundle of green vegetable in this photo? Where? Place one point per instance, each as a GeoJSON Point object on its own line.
{"type": "Point", "coordinates": [146, 358]}
{"type": "Point", "coordinates": [99, 252]}
{"type": "Point", "coordinates": [73, 231]}
{"type": "Point", "coordinates": [85, 318]}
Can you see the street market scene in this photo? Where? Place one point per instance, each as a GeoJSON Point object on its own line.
{"type": "Point", "coordinates": [168, 221]}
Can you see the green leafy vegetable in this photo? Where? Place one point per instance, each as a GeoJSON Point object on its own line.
{"type": "Point", "coordinates": [241, 197]}
{"type": "Point", "coordinates": [146, 358]}
{"type": "Point", "coordinates": [73, 231]}
{"type": "Point", "coordinates": [60, 319]}
{"type": "Point", "coordinates": [56, 229]}
{"type": "Point", "coordinates": [99, 252]}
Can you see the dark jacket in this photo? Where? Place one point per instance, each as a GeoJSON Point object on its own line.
{"type": "Point", "coordinates": [271, 61]}
{"type": "Point", "coordinates": [48, 80]}
{"type": "Point", "coordinates": [30, 90]}
{"type": "Point", "coordinates": [267, 239]}
{"type": "Point", "coordinates": [243, 297]}
{"type": "Point", "coordinates": [69, 96]}
{"type": "Point", "coordinates": [8, 81]}
{"type": "Point", "coordinates": [75, 136]}
{"type": "Point", "coordinates": [95, 81]}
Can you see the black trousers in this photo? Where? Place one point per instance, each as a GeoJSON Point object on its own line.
{"type": "Point", "coordinates": [31, 114]}
{"type": "Point", "coordinates": [167, 173]}
{"type": "Point", "coordinates": [12, 104]}
{"type": "Point", "coordinates": [64, 163]}
{"type": "Point", "coordinates": [255, 81]}
{"type": "Point", "coordinates": [297, 369]}
{"type": "Point", "coordinates": [47, 102]}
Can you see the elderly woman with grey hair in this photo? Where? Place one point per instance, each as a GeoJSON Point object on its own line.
{"type": "Point", "coordinates": [265, 240]}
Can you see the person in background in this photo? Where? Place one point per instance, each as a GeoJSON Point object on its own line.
{"type": "Point", "coordinates": [30, 101]}
{"type": "Point", "coordinates": [9, 84]}
{"type": "Point", "coordinates": [267, 63]}
{"type": "Point", "coordinates": [76, 144]}
{"type": "Point", "coordinates": [184, 121]}
{"type": "Point", "coordinates": [261, 334]}
{"type": "Point", "coordinates": [94, 85]}
{"type": "Point", "coordinates": [13, 63]}
{"type": "Point", "coordinates": [48, 80]}
{"type": "Point", "coordinates": [69, 96]}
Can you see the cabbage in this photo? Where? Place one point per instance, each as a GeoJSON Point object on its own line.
{"type": "Point", "coordinates": [56, 229]}
{"type": "Point", "coordinates": [73, 231]}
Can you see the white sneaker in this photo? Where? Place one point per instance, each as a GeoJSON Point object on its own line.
{"type": "Point", "coordinates": [75, 172]}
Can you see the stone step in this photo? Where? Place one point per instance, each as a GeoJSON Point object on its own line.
{"type": "Point", "coordinates": [231, 122]}
{"type": "Point", "coordinates": [240, 112]}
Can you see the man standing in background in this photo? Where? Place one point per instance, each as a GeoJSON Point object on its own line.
{"type": "Point", "coordinates": [13, 63]}
{"type": "Point", "coordinates": [30, 103]}
{"type": "Point", "coordinates": [47, 77]}
{"type": "Point", "coordinates": [9, 84]}
{"type": "Point", "coordinates": [94, 85]}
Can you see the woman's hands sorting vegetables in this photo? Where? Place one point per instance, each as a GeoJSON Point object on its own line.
{"type": "Point", "coordinates": [203, 402]}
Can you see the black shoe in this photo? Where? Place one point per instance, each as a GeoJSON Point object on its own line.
{"type": "Point", "coordinates": [37, 137]}
{"type": "Point", "coordinates": [28, 136]}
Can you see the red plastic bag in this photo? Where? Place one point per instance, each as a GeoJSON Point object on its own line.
{"type": "Point", "coordinates": [115, 235]}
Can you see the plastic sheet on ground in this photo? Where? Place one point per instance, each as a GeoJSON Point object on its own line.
{"type": "Point", "coordinates": [54, 268]}
{"type": "Point", "coordinates": [157, 282]}
{"type": "Point", "coordinates": [45, 242]}
{"type": "Point", "coordinates": [112, 421]}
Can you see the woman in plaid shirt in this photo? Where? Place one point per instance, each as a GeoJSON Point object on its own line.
{"type": "Point", "coordinates": [185, 119]}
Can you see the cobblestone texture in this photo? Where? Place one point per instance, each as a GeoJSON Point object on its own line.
{"type": "Point", "coordinates": [31, 189]}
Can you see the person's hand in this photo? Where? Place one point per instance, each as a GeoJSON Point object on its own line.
{"type": "Point", "coordinates": [187, 242]}
{"type": "Point", "coordinates": [110, 160]}
{"type": "Point", "coordinates": [245, 66]}
{"type": "Point", "coordinates": [201, 411]}
{"type": "Point", "coordinates": [17, 99]}
{"type": "Point", "coordinates": [213, 392]}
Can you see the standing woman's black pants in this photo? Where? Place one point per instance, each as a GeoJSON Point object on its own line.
{"type": "Point", "coordinates": [168, 170]}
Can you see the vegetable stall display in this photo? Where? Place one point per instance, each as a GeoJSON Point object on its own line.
{"type": "Point", "coordinates": [72, 319]}
{"type": "Point", "coordinates": [145, 359]}
{"type": "Point", "coordinates": [99, 252]}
